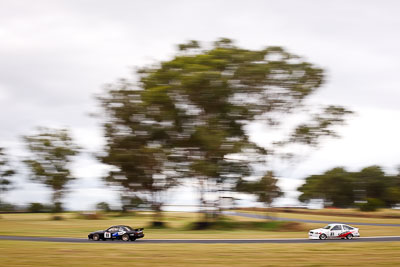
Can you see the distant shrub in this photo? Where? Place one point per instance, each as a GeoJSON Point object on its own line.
{"type": "Point", "coordinates": [200, 225]}
{"type": "Point", "coordinates": [36, 207]}
{"type": "Point", "coordinates": [158, 225]}
{"type": "Point", "coordinates": [103, 206]}
{"type": "Point", "coordinates": [7, 207]}
{"type": "Point", "coordinates": [57, 218]}
{"type": "Point", "coordinates": [372, 204]}
{"type": "Point", "coordinates": [57, 208]}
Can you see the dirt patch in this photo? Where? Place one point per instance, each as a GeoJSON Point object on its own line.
{"type": "Point", "coordinates": [292, 227]}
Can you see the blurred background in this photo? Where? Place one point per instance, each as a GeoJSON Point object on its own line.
{"type": "Point", "coordinates": [113, 103]}
{"type": "Point", "coordinates": [201, 122]}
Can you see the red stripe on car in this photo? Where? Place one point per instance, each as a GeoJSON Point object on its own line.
{"type": "Point", "coordinates": [345, 234]}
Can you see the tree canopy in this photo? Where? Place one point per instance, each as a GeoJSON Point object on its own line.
{"type": "Point", "coordinates": [51, 151]}
{"type": "Point", "coordinates": [341, 188]}
{"type": "Point", "coordinates": [187, 116]}
{"type": "Point", "coordinates": [266, 189]}
{"type": "Point", "coordinates": [6, 173]}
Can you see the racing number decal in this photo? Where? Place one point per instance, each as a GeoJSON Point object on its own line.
{"type": "Point", "coordinates": [107, 235]}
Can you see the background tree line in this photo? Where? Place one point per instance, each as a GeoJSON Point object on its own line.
{"type": "Point", "coordinates": [369, 188]}
{"type": "Point", "coordinates": [50, 154]}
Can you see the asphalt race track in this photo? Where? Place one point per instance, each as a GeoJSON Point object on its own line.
{"type": "Point", "coordinates": [200, 241]}
{"type": "Point", "coordinates": [258, 216]}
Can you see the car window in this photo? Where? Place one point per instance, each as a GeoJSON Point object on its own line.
{"type": "Point", "coordinates": [337, 227]}
{"type": "Point", "coordinates": [113, 229]}
{"type": "Point", "coordinates": [346, 227]}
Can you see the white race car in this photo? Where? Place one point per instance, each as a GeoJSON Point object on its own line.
{"type": "Point", "coordinates": [334, 230]}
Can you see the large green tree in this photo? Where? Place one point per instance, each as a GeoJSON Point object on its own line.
{"type": "Point", "coordinates": [138, 147]}
{"type": "Point", "coordinates": [266, 189]}
{"type": "Point", "coordinates": [6, 173]}
{"type": "Point", "coordinates": [51, 151]}
{"type": "Point", "coordinates": [344, 189]}
{"type": "Point", "coordinates": [336, 186]}
{"type": "Point", "coordinates": [197, 106]}
{"type": "Point", "coordinates": [372, 181]}
{"type": "Point", "coordinates": [393, 192]}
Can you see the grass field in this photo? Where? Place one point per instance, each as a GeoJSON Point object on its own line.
{"type": "Point", "coordinates": [19, 253]}
{"type": "Point", "coordinates": [23, 253]}
{"type": "Point", "coordinates": [177, 222]}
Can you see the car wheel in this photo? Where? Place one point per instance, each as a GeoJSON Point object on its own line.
{"type": "Point", "coordinates": [96, 237]}
{"type": "Point", "coordinates": [350, 236]}
{"type": "Point", "coordinates": [323, 237]}
{"type": "Point", "coordinates": [125, 237]}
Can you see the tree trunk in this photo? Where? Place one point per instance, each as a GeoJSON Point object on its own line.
{"type": "Point", "coordinates": [57, 205]}
{"type": "Point", "coordinates": [267, 213]}
{"type": "Point", "coordinates": [157, 215]}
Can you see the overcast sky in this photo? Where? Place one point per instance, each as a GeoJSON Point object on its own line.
{"type": "Point", "coordinates": [56, 55]}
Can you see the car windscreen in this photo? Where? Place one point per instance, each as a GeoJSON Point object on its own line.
{"type": "Point", "coordinates": [327, 227]}
{"type": "Point", "coordinates": [127, 228]}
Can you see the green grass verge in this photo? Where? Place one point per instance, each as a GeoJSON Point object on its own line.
{"type": "Point", "coordinates": [350, 217]}
{"type": "Point", "coordinates": [231, 223]}
{"type": "Point", "coordinates": [381, 213]}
